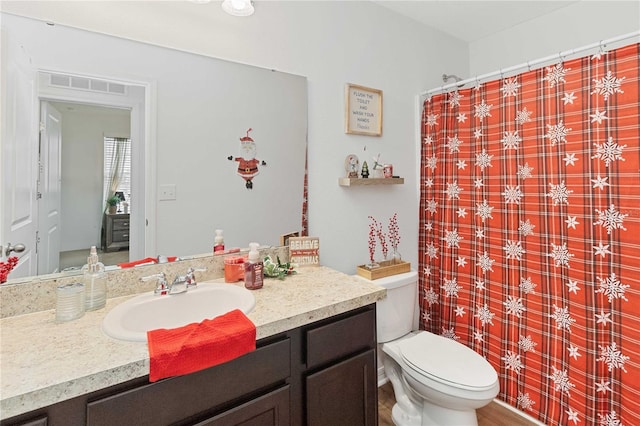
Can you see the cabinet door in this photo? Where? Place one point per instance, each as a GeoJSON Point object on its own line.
{"type": "Point", "coordinates": [344, 394]}
{"type": "Point", "coordinates": [271, 409]}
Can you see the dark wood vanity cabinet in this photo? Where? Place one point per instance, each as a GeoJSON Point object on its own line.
{"type": "Point", "coordinates": [323, 373]}
{"type": "Point", "coordinates": [344, 394]}
{"type": "Point", "coordinates": [341, 377]}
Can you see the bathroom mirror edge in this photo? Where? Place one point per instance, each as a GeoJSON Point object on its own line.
{"type": "Point", "coordinates": [233, 138]}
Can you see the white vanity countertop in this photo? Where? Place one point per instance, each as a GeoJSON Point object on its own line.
{"type": "Point", "coordinates": [43, 362]}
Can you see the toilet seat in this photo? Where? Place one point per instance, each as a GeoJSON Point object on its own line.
{"type": "Point", "coordinates": [448, 362]}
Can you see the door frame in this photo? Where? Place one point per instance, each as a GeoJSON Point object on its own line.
{"type": "Point", "coordinates": [143, 155]}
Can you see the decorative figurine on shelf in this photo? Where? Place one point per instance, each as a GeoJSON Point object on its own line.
{"type": "Point", "coordinates": [365, 170]}
{"type": "Point", "coordinates": [352, 165]}
{"type": "Point", "coordinates": [376, 171]}
{"type": "Point", "coordinates": [247, 162]}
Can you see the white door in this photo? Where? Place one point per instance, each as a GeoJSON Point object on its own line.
{"type": "Point", "coordinates": [18, 214]}
{"type": "Point", "coordinates": [49, 189]}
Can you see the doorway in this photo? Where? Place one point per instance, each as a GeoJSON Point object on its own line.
{"type": "Point", "coordinates": [90, 110]}
{"type": "Point", "coordinates": [82, 204]}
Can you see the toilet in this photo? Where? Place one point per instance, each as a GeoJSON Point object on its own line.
{"type": "Point", "coordinates": [436, 380]}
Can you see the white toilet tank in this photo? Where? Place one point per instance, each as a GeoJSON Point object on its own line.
{"type": "Point", "coordinates": [394, 314]}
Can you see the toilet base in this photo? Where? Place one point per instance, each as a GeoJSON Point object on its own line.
{"type": "Point", "coordinates": [402, 418]}
{"type": "Point", "coordinates": [433, 415]}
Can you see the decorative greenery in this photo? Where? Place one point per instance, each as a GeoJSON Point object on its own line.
{"type": "Point", "coordinates": [113, 200]}
{"type": "Point", "coordinates": [277, 270]}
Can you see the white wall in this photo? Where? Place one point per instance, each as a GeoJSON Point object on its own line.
{"type": "Point", "coordinates": [331, 43]}
{"type": "Point", "coordinates": [576, 25]}
{"type": "Point", "coordinates": [82, 173]}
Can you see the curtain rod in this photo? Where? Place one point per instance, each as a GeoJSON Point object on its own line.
{"type": "Point", "coordinates": [529, 64]}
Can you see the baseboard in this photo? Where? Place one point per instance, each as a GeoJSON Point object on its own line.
{"type": "Point", "coordinates": [382, 378]}
{"type": "Point", "coordinates": [518, 412]}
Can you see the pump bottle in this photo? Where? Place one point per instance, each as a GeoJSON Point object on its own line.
{"type": "Point", "coordinates": [253, 269]}
{"type": "Point", "coordinates": [218, 245]}
{"type": "Point", "coordinates": [95, 282]}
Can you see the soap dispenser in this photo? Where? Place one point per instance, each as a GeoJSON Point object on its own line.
{"type": "Point", "coordinates": [253, 269]}
{"type": "Point", "coordinates": [218, 245]}
{"type": "Point", "coordinates": [95, 282]}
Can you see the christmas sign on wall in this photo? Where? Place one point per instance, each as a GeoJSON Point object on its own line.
{"type": "Point", "coordinates": [304, 251]}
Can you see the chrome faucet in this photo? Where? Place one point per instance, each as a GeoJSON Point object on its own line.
{"type": "Point", "coordinates": [190, 277]}
{"type": "Point", "coordinates": [162, 286]}
{"type": "Point", "coordinates": [180, 284]}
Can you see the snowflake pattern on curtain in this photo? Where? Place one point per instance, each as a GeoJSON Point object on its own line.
{"type": "Point", "coordinates": [530, 234]}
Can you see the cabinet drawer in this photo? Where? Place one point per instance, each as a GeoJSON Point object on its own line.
{"type": "Point", "coordinates": [120, 236]}
{"type": "Point", "coordinates": [172, 400]}
{"type": "Point", "coordinates": [120, 224]}
{"type": "Point", "coordinates": [271, 409]}
{"type": "Point", "coordinates": [355, 333]}
{"type": "Point", "coordinates": [37, 422]}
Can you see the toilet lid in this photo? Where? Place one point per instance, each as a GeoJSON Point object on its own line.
{"type": "Point", "coordinates": [447, 361]}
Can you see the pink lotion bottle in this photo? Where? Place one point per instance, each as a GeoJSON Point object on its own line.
{"type": "Point", "coordinates": [253, 269]}
{"type": "Point", "coordinates": [218, 245]}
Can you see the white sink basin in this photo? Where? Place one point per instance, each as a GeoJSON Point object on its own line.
{"type": "Point", "coordinates": [132, 319]}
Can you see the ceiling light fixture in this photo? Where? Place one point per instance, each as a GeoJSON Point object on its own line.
{"type": "Point", "coordinates": [238, 7]}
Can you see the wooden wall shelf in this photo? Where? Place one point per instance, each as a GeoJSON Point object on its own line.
{"type": "Point", "coordinates": [370, 181]}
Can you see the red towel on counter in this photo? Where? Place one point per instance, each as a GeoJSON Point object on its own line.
{"type": "Point", "coordinates": [194, 347]}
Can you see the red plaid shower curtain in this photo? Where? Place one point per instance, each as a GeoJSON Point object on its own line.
{"type": "Point", "coordinates": [530, 234]}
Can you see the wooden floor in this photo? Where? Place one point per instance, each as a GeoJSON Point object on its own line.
{"type": "Point", "coordinates": [492, 415]}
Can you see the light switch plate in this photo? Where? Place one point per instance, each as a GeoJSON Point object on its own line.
{"type": "Point", "coordinates": [167, 192]}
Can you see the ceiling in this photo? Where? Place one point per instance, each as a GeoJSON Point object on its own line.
{"type": "Point", "coordinates": [472, 20]}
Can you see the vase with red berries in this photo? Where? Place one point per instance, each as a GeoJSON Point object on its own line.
{"type": "Point", "coordinates": [394, 238]}
{"type": "Point", "coordinates": [373, 227]}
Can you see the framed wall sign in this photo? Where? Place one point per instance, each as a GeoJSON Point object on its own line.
{"type": "Point", "coordinates": [363, 115]}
